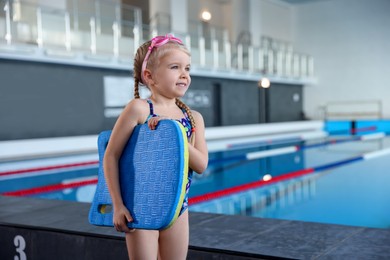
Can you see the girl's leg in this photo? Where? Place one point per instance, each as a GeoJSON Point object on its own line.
{"type": "Point", "coordinates": [142, 244]}
{"type": "Point", "coordinates": [173, 242]}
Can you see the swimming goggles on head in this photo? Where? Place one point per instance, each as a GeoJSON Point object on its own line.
{"type": "Point", "coordinates": [155, 43]}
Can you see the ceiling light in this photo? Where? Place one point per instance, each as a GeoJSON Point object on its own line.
{"type": "Point", "coordinates": [264, 83]}
{"type": "Point", "coordinates": [206, 16]}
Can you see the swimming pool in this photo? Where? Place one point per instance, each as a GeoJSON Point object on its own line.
{"type": "Point", "coordinates": [351, 193]}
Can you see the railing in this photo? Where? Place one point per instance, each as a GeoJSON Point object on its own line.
{"type": "Point", "coordinates": [115, 30]}
{"type": "Point", "coordinates": [353, 110]}
{"type": "Point", "coordinates": [71, 29]}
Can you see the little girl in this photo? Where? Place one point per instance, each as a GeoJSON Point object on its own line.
{"type": "Point", "coordinates": [163, 65]}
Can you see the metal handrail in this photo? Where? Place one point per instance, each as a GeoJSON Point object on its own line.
{"type": "Point", "coordinates": [348, 113]}
{"type": "Point", "coordinates": [215, 52]}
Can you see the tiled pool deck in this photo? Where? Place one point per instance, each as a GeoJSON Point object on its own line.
{"type": "Point", "coordinates": [54, 229]}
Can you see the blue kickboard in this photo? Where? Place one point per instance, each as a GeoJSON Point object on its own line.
{"type": "Point", "coordinates": [153, 173]}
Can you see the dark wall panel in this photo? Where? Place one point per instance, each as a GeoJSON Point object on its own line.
{"type": "Point", "coordinates": [284, 103]}
{"type": "Point", "coordinates": [240, 102]}
{"type": "Point", "coordinates": [39, 100]}
{"type": "Point", "coordinates": [49, 100]}
{"type": "Point", "coordinates": [233, 102]}
{"type": "Point", "coordinates": [201, 97]}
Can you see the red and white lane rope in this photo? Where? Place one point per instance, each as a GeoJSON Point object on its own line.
{"type": "Point", "coordinates": [287, 176]}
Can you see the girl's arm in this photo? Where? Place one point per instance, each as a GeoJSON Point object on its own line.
{"type": "Point", "coordinates": [198, 152]}
{"type": "Point", "coordinates": [129, 118]}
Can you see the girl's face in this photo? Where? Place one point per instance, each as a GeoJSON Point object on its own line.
{"type": "Point", "coordinates": [171, 77]}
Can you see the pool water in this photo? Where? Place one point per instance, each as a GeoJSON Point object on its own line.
{"type": "Point", "coordinates": [355, 194]}
{"type": "Point", "coordinates": [352, 194]}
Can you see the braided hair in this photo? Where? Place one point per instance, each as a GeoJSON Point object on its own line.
{"type": "Point", "coordinates": [152, 62]}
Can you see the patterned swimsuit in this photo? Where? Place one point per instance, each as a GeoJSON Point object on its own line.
{"type": "Point", "coordinates": [185, 121]}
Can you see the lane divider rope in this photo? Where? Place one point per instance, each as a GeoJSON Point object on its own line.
{"type": "Point", "coordinates": [216, 194]}
{"type": "Point", "coordinates": [47, 168]}
{"type": "Point", "coordinates": [287, 176]}
{"type": "Point", "coordinates": [292, 149]}
{"type": "Point", "coordinates": [50, 188]}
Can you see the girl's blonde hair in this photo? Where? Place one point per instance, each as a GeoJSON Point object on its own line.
{"type": "Point", "coordinates": [152, 61]}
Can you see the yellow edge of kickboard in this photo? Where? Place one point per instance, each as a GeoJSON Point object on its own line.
{"type": "Point", "coordinates": [185, 175]}
{"type": "Point", "coordinates": [103, 209]}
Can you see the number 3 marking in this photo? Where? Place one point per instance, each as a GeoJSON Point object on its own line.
{"type": "Point", "coordinates": [20, 245]}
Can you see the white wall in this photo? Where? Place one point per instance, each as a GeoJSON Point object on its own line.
{"type": "Point", "coordinates": [255, 22]}
{"type": "Point", "coordinates": [179, 19]}
{"type": "Point", "coordinates": [220, 11]}
{"type": "Point", "coordinates": [273, 18]}
{"type": "Point", "coordinates": [349, 39]}
{"type": "Point", "coordinates": [276, 19]}
{"type": "Point", "coordinates": [350, 42]}
{"type": "Point", "coordinates": [195, 7]}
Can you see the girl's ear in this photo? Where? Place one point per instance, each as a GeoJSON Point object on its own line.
{"type": "Point", "coordinates": [147, 75]}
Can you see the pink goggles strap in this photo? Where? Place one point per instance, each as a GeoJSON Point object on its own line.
{"type": "Point", "coordinates": [155, 43]}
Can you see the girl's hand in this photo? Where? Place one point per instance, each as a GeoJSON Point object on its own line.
{"type": "Point", "coordinates": [153, 122]}
{"type": "Point", "coordinates": [121, 217]}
